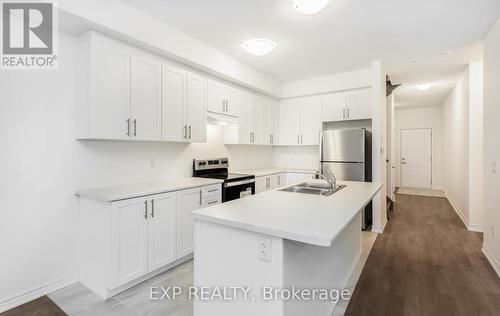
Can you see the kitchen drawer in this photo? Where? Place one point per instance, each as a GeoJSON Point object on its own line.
{"type": "Point", "coordinates": [209, 201]}
{"type": "Point", "coordinates": [211, 190]}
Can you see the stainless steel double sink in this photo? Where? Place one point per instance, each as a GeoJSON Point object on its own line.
{"type": "Point", "coordinates": [313, 188]}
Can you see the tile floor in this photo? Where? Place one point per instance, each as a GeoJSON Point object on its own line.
{"type": "Point", "coordinates": [78, 300]}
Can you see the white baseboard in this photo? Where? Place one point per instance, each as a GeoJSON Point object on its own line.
{"type": "Point", "coordinates": [36, 292]}
{"type": "Point", "coordinates": [476, 228]}
{"type": "Point", "coordinates": [489, 255]}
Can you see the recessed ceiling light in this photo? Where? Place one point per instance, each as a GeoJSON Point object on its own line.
{"type": "Point", "coordinates": [424, 87]}
{"type": "Point", "coordinates": [259, 46]}
{"type": "Point", "coordinates": [414, 60]}
{"type": "Point", "coordinates": [310, 7]}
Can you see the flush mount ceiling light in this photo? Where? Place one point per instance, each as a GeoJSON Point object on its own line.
{"type": "Point", "coordinates": [445, 53]}
{"type": "Point", "coordinates": [424, 87]}
{"type": "Point", "coordinates": [259, 46]}
{"type": "Point", "coordinates": [310, 7]}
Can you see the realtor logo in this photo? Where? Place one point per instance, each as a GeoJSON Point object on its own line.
{"type": "Point", "coordinates": [28, 35]}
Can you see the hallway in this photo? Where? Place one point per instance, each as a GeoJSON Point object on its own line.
{"type": "Point", "coordinates": [426, 263]}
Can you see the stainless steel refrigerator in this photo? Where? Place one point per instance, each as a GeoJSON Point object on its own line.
{"type": "Point", "coordinates": [347, 154]}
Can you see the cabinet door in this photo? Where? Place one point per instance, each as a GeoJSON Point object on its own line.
{"type": "Point", "coordinates": [273, 122]}
{"type": "Point", "coordinates": [255, 119]}
{"type": "Point", "coordinates": [244, 113]}
{"type": "Point", "coordinates": [216, 97]}
{"type": "Point", "coordinates": [261, 184]}
{"type": "Point", "coordinates": [145, 93]}
{"type": "Point", "coordinates": [174, 104]}
{"type": "Point", "coordinates": [196, 108]}
{"type": "Point", "coordinates": [333, 107]}
{"type": "Point", "coordinates": [110, 91]}
{"type": "Point", "coordinates": [232, 101]}
{"type": "Point", "coordinates": [359, 105]}
{"type": "Point", "coordinates": [265, 113]}
{"type": "Point", "coordinates": [187, 202]}
{"type": "Point", "coordinates": [310, 121]}
{"type": "Point", "coordinates": [161, 230]}
{"type": "Point", "coordinates": [289, 122]}
{"type": "Point", "coordinates": [277, 180]}
{"type": "Point", "coordinates": [129, 240]}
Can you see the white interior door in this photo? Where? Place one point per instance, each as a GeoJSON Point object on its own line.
{"type": "Point", "coordinates": [416, 158]}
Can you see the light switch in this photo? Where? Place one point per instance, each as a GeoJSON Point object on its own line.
{"type": "Point", "coordinates": [264, 249]}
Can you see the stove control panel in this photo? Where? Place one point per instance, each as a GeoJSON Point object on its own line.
{"type": "Point", "coordinates": [210, 164]}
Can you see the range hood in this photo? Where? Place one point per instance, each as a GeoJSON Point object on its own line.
{"type": "Point", "coordinates": [220, 119]}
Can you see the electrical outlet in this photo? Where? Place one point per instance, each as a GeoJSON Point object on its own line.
{"type": "Point", "coordinates": [264, 249]}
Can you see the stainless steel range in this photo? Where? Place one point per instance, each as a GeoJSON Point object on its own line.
{"type": "Point", "coordinates": [235, 185]}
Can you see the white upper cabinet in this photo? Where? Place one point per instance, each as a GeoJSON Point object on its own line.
{"type": "Point", "coordinates": [196, 108]}
{"type": "Point", "coordinates": [300, 121]}
{"type": "Point", "coordinates": [289, 122]}
{"type": "Point", "coordinates": [222, 99]}
{"type": "Point", "coordinates": [145, 98]}
{"type": "Point", "coordinates": [174, 125]}
{"type": "Point", "coordinates": [255, 122]}
{"type": "Point", "coordinates": [269, 113]}
{"type": "Point", "coordinates": [103, 110]}
{"type": "Point", "coordinates": [333, 107]}
{"type": "Point", "coordinates": [359, 105]}
{"type": "Point", "coordinates": [353, 105]}
{"type": "Point", "coordinates": [310, 120]}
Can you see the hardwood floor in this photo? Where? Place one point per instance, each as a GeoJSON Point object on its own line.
{"type": "Point", "coordinates": [426, 263]}
{"type": "Point", "coordinates": [42, 306]}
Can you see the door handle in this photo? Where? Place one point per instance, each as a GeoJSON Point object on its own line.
{"type": "Point", "coordinates": [189, 131]}
{"type": "Point", "coordinates": [135, 127]}
{"type": "Point", "coordinates": [146, 209]}
{"type": "Point", "coordinates": [128, 127]}
{"type": "Point", "coordinates": [152, 208]}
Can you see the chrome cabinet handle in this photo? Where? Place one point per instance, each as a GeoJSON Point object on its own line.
{"type": "Point", "coordinates": [298, 139]}
{"type": "Point", "coordinates": [213, 202]}
{"type": "Point", "coordinates": [301, 138]}
{"type": "Point", "coordinates": [185, 131]}
{"type": "Point", "coordinates": [152, 208]}
{"type": "Point", "coordinates": [223, 105]}
{"type": "Point", "coordinates": [213, 190]}
{"type": "Point", "coordinates": [189, 131]}
{"type": "Point", "coordinates": [128, 127]}
{"type": "Point", "coordinates": [348, 115]}
{"type": "Point", "coordinates": [200, 197]}
{"type": "Point", "coordinates": [135, 127]}
{"type": "Point", "coordinates": [343, 113]}
{"type": "Point", "coordinates": [146, 209]}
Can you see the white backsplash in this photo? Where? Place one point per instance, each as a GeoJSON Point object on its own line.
{"type": "Point", "coordinates": [301, 157]}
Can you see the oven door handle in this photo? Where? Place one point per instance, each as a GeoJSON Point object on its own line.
{"type": "Point", "coordinates": [235, 183]}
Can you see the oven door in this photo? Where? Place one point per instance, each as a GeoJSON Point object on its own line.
{"type": "Point", "coordinates": [238, 189]}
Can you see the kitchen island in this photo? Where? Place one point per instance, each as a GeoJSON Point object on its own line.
{"type": "Point", "coordinates": [279, 240]}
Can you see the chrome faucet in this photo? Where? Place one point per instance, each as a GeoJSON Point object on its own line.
{"type": "Point", "coordinates": [332, 181]}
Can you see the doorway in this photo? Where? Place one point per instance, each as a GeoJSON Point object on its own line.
{"type": "Point", "coordinates": [416, 158]}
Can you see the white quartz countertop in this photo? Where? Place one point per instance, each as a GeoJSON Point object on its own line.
{"type": "Point", "coordinates": [269, 171]}
{"type": "Point", "coordinates": [122, 192]}
{"type": "Point", "coordinates": [311, 219]}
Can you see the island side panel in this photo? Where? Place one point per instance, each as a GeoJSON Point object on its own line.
{"type": "Point", "coordinates": [226, 256]}
{"type": "Point", "coordinates": [316, 267]}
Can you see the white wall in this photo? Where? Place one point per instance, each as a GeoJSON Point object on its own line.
{"type": "Point", "coordinates": [492, 146]}
{"type": "Point", "coordinates": [463, 147]}
{"type": "Point", "coordinates": [456, 146]}
{"type": "Point", "coordinates": [42, 165]}
{"type": "Point", "coordinates": [428, 117]}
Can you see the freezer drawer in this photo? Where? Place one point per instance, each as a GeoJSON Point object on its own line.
{"type": "Point", "coordinates": [343, 145]}
{"type": "Point", "coordinates": [345, 171]}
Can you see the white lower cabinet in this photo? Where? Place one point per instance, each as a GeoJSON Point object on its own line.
{"type": "Point", "coordinates": [123, 242]}
{"type": "Point", "coordinates": [188, 201]}
{"type": "Point", "coordinates": [269, 182]}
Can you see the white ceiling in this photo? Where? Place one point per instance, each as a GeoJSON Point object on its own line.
{"type": "Point", "coordinates": [345, 36]}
